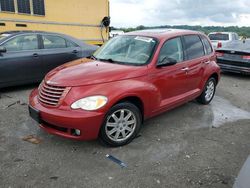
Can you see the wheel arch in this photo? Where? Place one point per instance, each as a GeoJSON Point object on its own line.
{"type": "Point", "coordinates": [137, 101]}
{"type": "Point", "coordinates": [215, 76]}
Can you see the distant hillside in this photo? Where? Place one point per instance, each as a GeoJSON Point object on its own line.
{"type": "Point", "coordinates": [242, 31]}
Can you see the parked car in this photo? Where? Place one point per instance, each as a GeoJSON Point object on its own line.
{"type": "Point", "coordinates": [235, 57]}
{"type": "Point", "coordinates": [26, 56]}
{"type": "Point", "coordinates": [131, 78]}
{"type": "Point", "coordinates": [220, 39]}
{"type": "Point", "coordinates": [115, 33]}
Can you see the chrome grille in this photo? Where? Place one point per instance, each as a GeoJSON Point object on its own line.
{"type": "Point", "coordinates": [50, 95]}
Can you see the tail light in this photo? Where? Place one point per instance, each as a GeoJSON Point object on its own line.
{"type": "Point", "coordinates": [219, 45]}
{"type": "Point", "coordinates": [219, 54]}
{"type": "Point", "coordinates": [246, 57]}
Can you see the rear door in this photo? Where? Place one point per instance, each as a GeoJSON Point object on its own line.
{"type": "Point", "coordinates": [196, 58]}
{"type": "Point", "coordinates": [57, 51]}
{"type": "Point", "coordinates": [22, 61]}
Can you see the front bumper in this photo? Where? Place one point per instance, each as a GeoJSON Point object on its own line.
{"type": "Point", "coordinates": [63, 122]}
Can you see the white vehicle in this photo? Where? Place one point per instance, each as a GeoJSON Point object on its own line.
{"type": "Point", "coordinates": [220, 39]}
{"type": "Point", "coordinates": [115, 33]}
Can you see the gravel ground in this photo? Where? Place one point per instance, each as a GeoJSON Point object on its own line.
{"type": "Point", "coordinates": [191, 146]}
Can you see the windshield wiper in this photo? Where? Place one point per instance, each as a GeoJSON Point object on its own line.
{"type": "Point", "coordinates": [92, 57]}
{"type": "Point", "coordinates": [108, 60]}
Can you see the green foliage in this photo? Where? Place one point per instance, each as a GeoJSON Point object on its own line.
{"type": "Point", "coordinates": [242, 31]}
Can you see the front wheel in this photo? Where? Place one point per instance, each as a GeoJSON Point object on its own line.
{"type": "Point", "coordinates": [208, 92]}
{"type": "Point", "coordinates": [121, 124]}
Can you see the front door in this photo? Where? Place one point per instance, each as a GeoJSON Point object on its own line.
{"type": "Point", "coordinates": [170, 80]}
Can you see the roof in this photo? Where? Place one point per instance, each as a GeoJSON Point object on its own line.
{"type": "Point", "coordinates": [221, 33]}
{"type": "Point", "coordinates": [162, 33]}
{"type": "Point", "coordinates": [77, 41]}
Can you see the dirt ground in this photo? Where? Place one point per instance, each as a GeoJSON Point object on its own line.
{"type": "Point", "coordinates": [191, 146]}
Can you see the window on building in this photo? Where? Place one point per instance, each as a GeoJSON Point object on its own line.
{"type": "Point", "coordinates": [7, 5]}
{"type": "Point", "coordinates": [23, 6]}
{"type": "Point", "coordinates": [38, 7]}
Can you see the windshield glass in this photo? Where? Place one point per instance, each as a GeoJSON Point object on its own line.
{"type": "Point", "coordinates": [219, 36]}
{"type": "Point", "coordinates": [134, 50]}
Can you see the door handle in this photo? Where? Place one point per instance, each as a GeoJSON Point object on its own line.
{"type": "Point", "coordinates": [35, 55]}
{"type": "Point", "coordinates": [185, 69]}
{"type": "Point", "coordinates": [75, 52]}
{"type": "Point", "coordinates": [206, 62]}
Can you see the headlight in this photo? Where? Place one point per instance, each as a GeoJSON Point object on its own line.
{"type": "Point", "coordinates": [90, 103]}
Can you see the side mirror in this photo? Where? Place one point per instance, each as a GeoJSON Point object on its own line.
{"type": "Point", "coordinates": [3, 49]}
{"type": "Point", "coordinates": [166, 61]}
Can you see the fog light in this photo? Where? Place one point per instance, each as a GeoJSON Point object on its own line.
{"type": "Point", "coordinates": [77, 132]}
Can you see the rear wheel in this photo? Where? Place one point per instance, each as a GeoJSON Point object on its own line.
{"type": "Point", "coordinates": [121, 124]}
{"type": "Point", "coordinates": [208, 93]}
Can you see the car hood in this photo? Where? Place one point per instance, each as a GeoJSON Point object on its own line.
{"type": "Point", "coordinates": [87, 72]}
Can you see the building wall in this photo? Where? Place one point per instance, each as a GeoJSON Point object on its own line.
{"type": "Point", "coordinates": [78, 18]}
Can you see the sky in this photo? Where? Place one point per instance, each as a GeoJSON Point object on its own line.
{"type": "Point", "coordinates": [132, 13]}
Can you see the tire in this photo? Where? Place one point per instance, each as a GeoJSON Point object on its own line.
{"type": "Point", "coordinates": [117, 131]}
{"type": "Point", "coordinates": [208, 93]}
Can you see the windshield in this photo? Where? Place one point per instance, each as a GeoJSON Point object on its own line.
{"type": "Point", "coordinates": [134, 50]}
{"type": "Point", "coordinates": [218, 36]}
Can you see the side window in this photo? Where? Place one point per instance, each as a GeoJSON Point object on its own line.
{"type": "Point", "coordinates": [208, 47]}
{"type": "Point", "coordinates": [21, 43]}
{"type": "Point", "coordinates": [51, 42]}
{"type": "Point", "coordinates": [193, 47]}
{"type": "Point", "coordinates": [172, 49]}
{"type": "Point", "coordinates": [70, 44]}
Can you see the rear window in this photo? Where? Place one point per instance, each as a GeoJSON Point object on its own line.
{"type": "Point", "coordinates": [218, 36]}
{"type": "Point", "coordinates": [208, 47]}
{"type": "Point", "coordinates": [193, 47]}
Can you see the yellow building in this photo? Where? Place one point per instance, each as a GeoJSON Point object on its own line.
{"type": "Point", "coordinates": [79, 18]}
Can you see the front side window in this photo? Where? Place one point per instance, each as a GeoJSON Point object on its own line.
{"type": "Point", "coordinates": [193, 47]}
{"type": "Point", "coordinates": [7, 5]}
{"type": "Point", "coordinates": [207, 45]}
{"type": "Point", "coordinates": [21, 43]}
{"type": "Point", "coordinates": [134, 50]}
{"type": "Point", "coordinates": [172, 49]}
{"type": "Point", "coordinates": [51, 42]}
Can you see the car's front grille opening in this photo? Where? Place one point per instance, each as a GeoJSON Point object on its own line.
{"type": "Point", "coordinates": [50, 95]}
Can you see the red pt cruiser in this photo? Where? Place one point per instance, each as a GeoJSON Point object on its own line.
{"type": "Point", "coordinates": [131, 78]}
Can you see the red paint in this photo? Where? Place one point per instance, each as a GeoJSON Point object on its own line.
{"type": "Point", "coordinates": [159, 89]}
